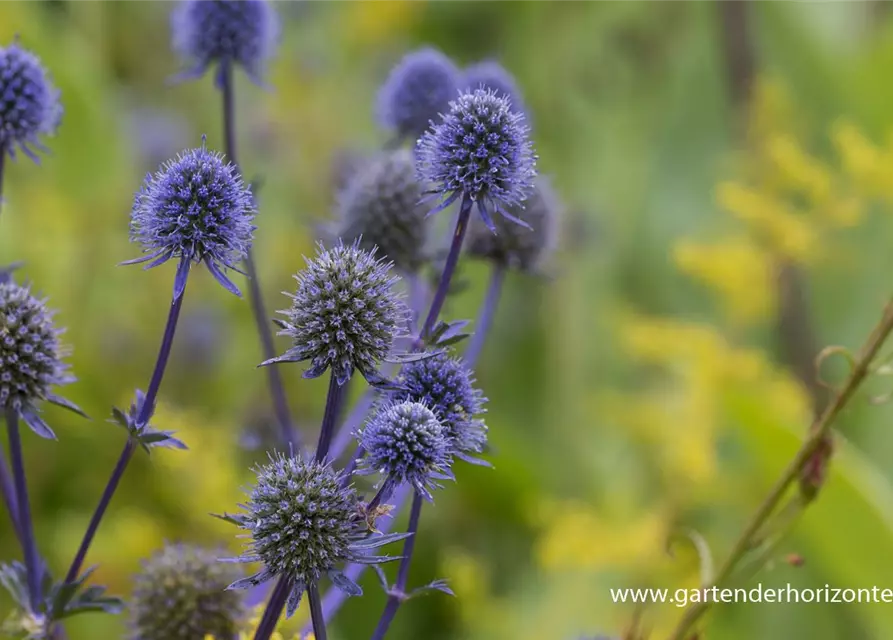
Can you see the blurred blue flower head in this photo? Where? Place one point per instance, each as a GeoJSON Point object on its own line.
{"type": "Point", "coordinates": [489, 74]}
{"type": "Point", "coordinates": [405, 442]}
{"type": "Point", "coordinates": [29, 103]}
{"type": "Point", "coordinates": [479, 150]}
{"type": "Point", "coordinates": [195, 208]}
{"type": "Point", "coordinates": [345, 314]}
{"type": "Point", "coordinates": [446, 386]}
{"type": "Point", "coordinates": [243, 32]}
{"type": "Point", "coordinates": [30, 357]}
{"type": "Point", "coordinates": [417, 91]}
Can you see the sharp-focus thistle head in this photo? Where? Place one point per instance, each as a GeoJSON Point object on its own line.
{"type": "Point", "coordinates": [195, 208]}
{"type": "Point", "coordinates": [345, 314]}
{"type": "Point", "coordinates": [181, 594]}
{"type": "Point", "coordinates": [446, 386]}
{"type": "Point", "coordinates": [516, 246]}
{"type": "Point", "coordinates": [29, 103]}
{"type": "Point", "coordinates": [304, 523]}
{"type": "Point", "coordinates": [30, 357]}
{"type": "Point", "coordinates": [240, 32]}
{"type": "Point", "coordinates": [417, 90]}
{"type": "Point", "coordinates": [380, 208]}
{"type": "Point", "coordinates": [405, 442]}
{"type": "Point", "coordinates": [480, 151]}
{"type": "Point", "coordinates": [491, 75]}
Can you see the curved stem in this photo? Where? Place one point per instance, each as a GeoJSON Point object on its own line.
{"type": "Point", "coordinates": [818, 431]}
{"type": "Point", "coordinates": [327, 430]}
{"type": "Point", "coordinates": [276, 387]}
{"type": "Point", "coordinates": [29, 545]}
{"type": "Point", "coordinates": [449, 268]}
{"type": "Point", "coordinates": [485, 319]}
{"type": "Point", "coordinates": [316, 617]}
{"type": "Point", "coordinates": [145, 412]}
{"type": "Point", "coordinates": [398, 592]}
{"type": "Point", "coordinates": [7, 491]}
{"type": "Point", "coordinates": [274, 609]}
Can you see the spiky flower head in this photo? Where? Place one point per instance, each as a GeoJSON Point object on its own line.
{"type": "Point", "coordinates": [417, 90]}
{"type": "Point", "coordinates": [181, 593]}
{"type": "Point", "coordinates": [345, 314]}
{"type": "Point", "coordinates": [380, 208]}
{"type": "Point", "coordinates": [406, 443]}
{"type": "Point", "coordinates": [30, 357]}
{"type": "Point", "coordinates": [29, 103]}
{"type": "Point", "coordinates": [515, 246]}
{"type": "Point", "coordinates": [305, 522]}
{"type": "Point", "coordinates": [446, 386]}
{"type": "Point", "coordinates": [489, 74]}
{"type": "Point", "coordinates": [479, 150]}
{"type": "Point", "coordinates": [195, 208]}
{"type": "Point", "coordinates": [243, 32]}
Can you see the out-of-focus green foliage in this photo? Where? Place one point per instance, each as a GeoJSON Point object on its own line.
{"type": "Point", "coordinates": [638, 395]}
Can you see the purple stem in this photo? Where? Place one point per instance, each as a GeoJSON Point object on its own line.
{"type": "Point", "coordinates": [2, 162]}
{"type": "Point", "coordinates": [398, 592]}
{"type": "Point", "coordinates": [449, 268]}
{"type": "Point", "coordinates": [289, 434]}
{"type": "Point", "coordinates": [347, 429]}
{"type": "Point", "coordinates": [316, 617]}
{"type": "Point", "coordinates": [327, 430]}
{"type": "Point", "coordinates": [7, 489]}
{"type": "Point", "coordinates": [274, 609]}
{"type": "Point", "coordinates": [485, 319]}
{"type": "Point", "coordinates": [142, 420]}
{"type": "Point", "coordinates": [29, 545]}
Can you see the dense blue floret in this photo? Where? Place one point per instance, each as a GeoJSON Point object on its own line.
{"type": "Point", "coordinates": [30, 357]}
{"type": "Point", "coordinates": [195, 208]}
{"type": "Point", "coordinates": [491, 75]}
{"type": "Point", "coordinates": [406, 443]}
{"type": "Point", "coordinates": [446, 386]}
{"type": "Point", "coordinates": [345, 314]}
{"type": "Point", "coordinates": [417, 91]}
{"type": "Point", "coordinates": [242, 32]}
{"type": "Point", "coordinates": [29, 103]}
{"type": "Point", "coordinates": [305, 521]}
{"type": "Point", "coordinates": [481, 151]}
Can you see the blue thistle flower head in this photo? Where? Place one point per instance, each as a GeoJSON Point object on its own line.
{"type": "Point", "coordinates": [181, 594]}
{"type": "Point", "coordinates": [305, 521]}
{"type": "Point", "coordinates": [417, 90]}
{"type": "Point", "coordinates": [405, 442]}
{"type": "Point", "coordinates": [489, 74]}
{"type": "Point", "coordinates": [195, 208]}
{"type": "Point", "coordinates": [446, 386]}
{"type": "Point", "coordinates": [480, 150]}
{"type": "Point", "coordinates": [345, 314]}
{"type": "Point", "coordinates": [29, 103]}
{"type": "Point", "coordinates": [243, 32]}
{"type": "Point", "coordinates": [30, 357]}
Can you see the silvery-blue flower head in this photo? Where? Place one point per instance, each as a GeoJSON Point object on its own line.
{"type": "Point", "coordinates": [380, 208]}
{"type": "Point", "coordinates": [406, 443]}
{"type": "Point", "coordinates": [489, 74]}
{"type": "Point", "coordinates": [243, 32]}
{"type": "Point", "coordinates": [29, 103]}
{"type": "Point", "coordinates": [345, 314]}
{"type": "Point", "coordinates": [515, 246]}
{"type": "Point", "coordinates": [446, 386]}
{"type": "Point", "coordinates": [30, 357]}
{"type": "Point", "coordinates": [304, 521]}
{"type": "Point", "coordinates": [480, 150]}
{"type": "Point", "coordinates": [181, 594]}
{"type": "Point", "coordinates": [417, 90]}
{"type": "Point", "coordinates": [196, 208]}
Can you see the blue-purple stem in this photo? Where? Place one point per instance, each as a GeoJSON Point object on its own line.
{"type": "Point", "coordinates": [288, 433]}
{"type": "Point", "coordinates": [29, 544]}
{"type": "Point", "coordinates": [268, 621]}
{"type": "Point", "coordinates": [142, 420]}
{"type": "Point", "coordinates": [316, 617]}
{"type": "Point", "coordinates": [485, 318]}
{"type": "Point", "coordinates": [7, 490]}
{"type": "Point", "coordinates": [398, 591]}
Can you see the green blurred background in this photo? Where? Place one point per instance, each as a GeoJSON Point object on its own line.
{"type": "Point", "coordinates": [642, 390]}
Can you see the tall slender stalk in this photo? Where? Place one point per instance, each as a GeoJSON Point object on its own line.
{"type": "Point", "coordinates": [268, 621]}
{"type": "Point", "coordinates": [7, 491]}
{"type": "Point", "coordinates": [818, 431]}
{"type": "Point", "coordinates": [316, 617]}
{"type": "Point", "coordinates": [485, 319]}
{"type": "Point", "coordinates": [29, 544]}
{"type": "Point", "coordinates": [288, 433]}
{"type": "Point", "coordinates": [145, 413]}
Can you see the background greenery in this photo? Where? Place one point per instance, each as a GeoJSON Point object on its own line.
{"type": "Point", "coordinates": [638, 393]}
